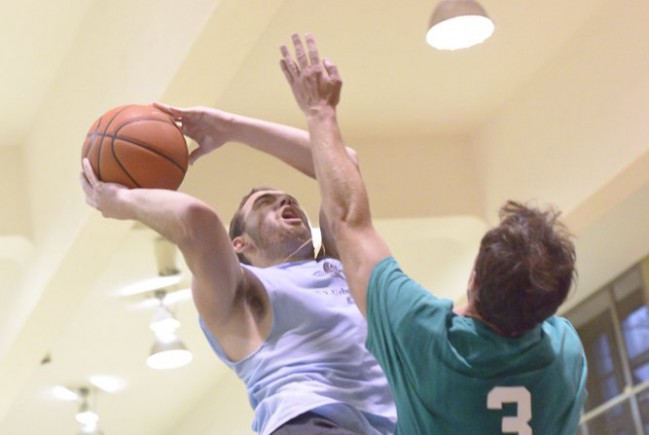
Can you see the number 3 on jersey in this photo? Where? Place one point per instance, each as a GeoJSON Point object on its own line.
{"type": "Point", "coordinates": [523, 399]}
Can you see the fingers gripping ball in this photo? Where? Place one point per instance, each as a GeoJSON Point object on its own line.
{"type": "Point", "coordinates": [137, 146]}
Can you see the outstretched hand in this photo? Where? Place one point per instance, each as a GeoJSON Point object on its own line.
{"type": "Point", "coordinates": [210, 128]}
{"type": "Point", "coordinates": [315, 84]}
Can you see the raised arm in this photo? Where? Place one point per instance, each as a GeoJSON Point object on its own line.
{"type": "Point", "coordinates": [196, 229]}
{"type": "Point", "coordinates": [316, 87]}
{"type": "Point", "coordinates": [212, 128]}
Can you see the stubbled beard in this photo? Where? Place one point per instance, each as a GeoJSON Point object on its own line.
{"type": "Point", "coordinates": [280, 242]}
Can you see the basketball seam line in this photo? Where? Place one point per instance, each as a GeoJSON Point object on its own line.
{"type": "Point", "coordinates": [97, 134]}
{"type": "Point", "coordinates": [138, 143]}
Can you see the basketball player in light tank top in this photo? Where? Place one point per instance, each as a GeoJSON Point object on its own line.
{"type": "Point", "coordinates": [283, 320]}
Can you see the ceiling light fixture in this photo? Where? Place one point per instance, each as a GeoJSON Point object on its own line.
{"type": "Point", "coordinates": [457, 24]}
{"type": "Point", "coordinates": [64, 393]}
{"type": "Point", "coordinates": [168, 273]}
{"type": "Point", "coordinates": [168, 352]}
{"type": "Point", "coordinates": [87, 396]}
{"type": "Point", "coordinates": [108, 383]}
{"type": "Point", "coordinates": [86, 416]}
{"type": "Point", "coordinates": [164, 323]}
{"type": "Point", "coordinates": [146, 285]}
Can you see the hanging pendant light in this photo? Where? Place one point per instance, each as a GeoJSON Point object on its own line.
{"type": "Point", "coordinates": [167, 352]}
{"type": "Point", "coordinates": [457, 24]}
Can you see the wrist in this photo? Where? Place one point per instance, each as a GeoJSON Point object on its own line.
{"type": "Point", "coordinates": [230, 126]}
{"type": "Point", "coordinates": [319, 113]}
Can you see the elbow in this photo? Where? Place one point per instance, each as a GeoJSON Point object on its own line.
{"type": "Point", "coordinates": [196, 221]}
{"type": "Point", "coordinates": [346, 203]}
{"type": "Point", "coordinates": [353, 155]}
{"type": "Point", "coordinates": [336, 224]}
{"type": "Point", "coordinates": [343, 218]}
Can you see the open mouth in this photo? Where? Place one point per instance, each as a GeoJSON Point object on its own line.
{"type": "Point", "coordinates": [291, 215]}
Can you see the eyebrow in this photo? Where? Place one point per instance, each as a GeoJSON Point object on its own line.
{"type": "Point", "coordinates": [265, 196]}
{"type": "Point", "coordinates": [260, 199]}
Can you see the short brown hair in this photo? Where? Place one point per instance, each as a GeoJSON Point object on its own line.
{"type": "Point", "coordinates": [238, 225]}
{"type": "Point", "coordinates": [524, 268]}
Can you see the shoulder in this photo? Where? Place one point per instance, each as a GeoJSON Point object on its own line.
{"type": "Point", "coordinates": [564, 336]}
{"type": "Point", "coordinates": [389, 279]}
{"type": "Point", "coordinates": [395, 295]}
{"type": "Point", "coordinates": [558, 325]}
{"type": "Point", "coordinates": [385, 270]}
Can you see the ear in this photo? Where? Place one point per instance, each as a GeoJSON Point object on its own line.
{"type": "Point", "coordinates": [239, 244]}
{"type": "Point", "coordinates": [242, 244]}
{"type": "Point", "coordinates": [471, 287]}
{"type": "Point", "coordinates": [473, 280]}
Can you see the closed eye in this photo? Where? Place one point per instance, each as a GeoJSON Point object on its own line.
{"type": "Point", "coordinates": [262, 200]}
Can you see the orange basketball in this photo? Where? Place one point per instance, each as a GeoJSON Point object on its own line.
{"type": "Point", "coordinates": [137, 146]}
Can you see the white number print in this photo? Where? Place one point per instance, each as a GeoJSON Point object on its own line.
{"type": "Point", "coordinates": [523, 399]}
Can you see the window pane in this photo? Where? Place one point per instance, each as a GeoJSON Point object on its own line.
{"type": "Point", "coordinates": [636, 332]}
{"type": "Point", "coordinates": [643, 404]}
{"type": "Point", "coordinates": [634, 317]}
{"type": "Point", "coordinates": [605, 379]}
{"type": "Point", "coordinates": [618, 355]}
{"type": "Point", "coordinates": [616, 421]}
{"type": "Point", "coordinates": [641, 373]}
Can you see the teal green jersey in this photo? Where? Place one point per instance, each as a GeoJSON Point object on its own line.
{"type": "Point", "coordinates": [452, 374]}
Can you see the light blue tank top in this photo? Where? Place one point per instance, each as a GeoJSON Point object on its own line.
{"type": "Point", "coordinates": [314, 358]}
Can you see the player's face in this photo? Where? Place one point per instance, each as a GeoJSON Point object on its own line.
{"type": "Point", "coordinates": [273, 216]}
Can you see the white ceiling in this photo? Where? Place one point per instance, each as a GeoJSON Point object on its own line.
{"type": "Point", "coordinates": [552, 108]}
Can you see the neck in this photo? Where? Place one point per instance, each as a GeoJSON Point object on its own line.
{"type": "Point", "coordinates": [469, 310]}
{"type": "Point", "coordinates": [295, 255]}
{"type": "Point", "coordinates": [303, 252]}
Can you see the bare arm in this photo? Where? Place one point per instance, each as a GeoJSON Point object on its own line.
{"type": "Point", "coordinates": [201, 237]}
{"type": "Point", "coordinates": [316, 88]}
{"type": "Point", "coordinates": [213, 128]}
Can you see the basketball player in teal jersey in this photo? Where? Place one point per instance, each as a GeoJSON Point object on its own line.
{"type": "Point", "coordinates": [504, 364]}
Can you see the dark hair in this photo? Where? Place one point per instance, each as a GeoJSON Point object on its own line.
{"type": "Point", "coordinates": [524, 269]}
{"type": "Point", "coordinates": [238, 225]}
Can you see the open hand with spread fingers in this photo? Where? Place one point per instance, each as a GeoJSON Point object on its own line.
{"type": "Point", "coordinates": [316, 85]}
